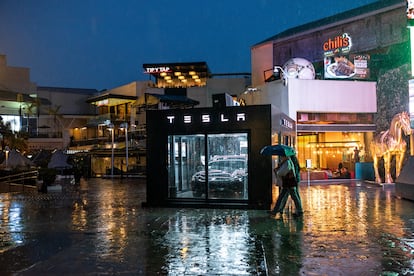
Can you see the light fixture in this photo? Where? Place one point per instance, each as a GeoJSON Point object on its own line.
{"type": "Point", "coordinates": [278, 69]}
{"type": "Point", "coordinates": [124, 126]}
{"type": "Point", "coordinates": [194, 76]}
{"type": "Point", "coordinates": [181, 77]}
{"type": "Point", "coordinates": [167, 77]}
{"type": "Point", "coordinates": [163, 74]}
{"type": "Point", "coordinates": [192, 73]}
{"type": "Point", "coordinates": [251, 90]}
{"type": "Point", "coordinates": [177, 74]}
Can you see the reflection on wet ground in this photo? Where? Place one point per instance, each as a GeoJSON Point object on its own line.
{"type": "Point", "coordinates": [100, 228]}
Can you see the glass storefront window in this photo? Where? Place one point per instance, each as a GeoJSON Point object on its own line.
{"type": "Point", "coordinates": [221, 159]}
{"type": "Point", "coordinates": [327, 150]}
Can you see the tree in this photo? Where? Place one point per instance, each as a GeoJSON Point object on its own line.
{"type": "Point", "coordinates": [56, 116]}
{"type": "Point", "coordinates": [34, 108]}
{"type": "Point", "coordinates": [13, 140]}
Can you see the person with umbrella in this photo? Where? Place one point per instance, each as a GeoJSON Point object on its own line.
{"type": "Point", "coordinates": [287, 172]}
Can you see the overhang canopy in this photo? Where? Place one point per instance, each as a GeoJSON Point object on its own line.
{"type": "Point", "coordinates": [149, 99]}
{"type": "Point", "coordinates": [108, 99]}
{"type": "Point", "coordinates": [185, 74]}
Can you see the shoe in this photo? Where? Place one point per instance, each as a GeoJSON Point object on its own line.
{"type": "Point", "coordinates": [298, 215]}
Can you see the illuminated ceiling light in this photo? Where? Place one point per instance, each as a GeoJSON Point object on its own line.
{"type": "Point", "coordinates": [192, 73]}
{"type": "Point", "coordinates": [167, 78]}
{"type": "Point", "coordinates": [163, 74]}
{"type": "Point", "coordinates": [169, 81]}
{"type": "Point", "coordinates": [181, 77]}
{"type": "Point", "coordinates": [195, 77]}
{"type": "Point", "coordinates": [184, 80]}
{"type": "Point", "coordinates": [197, 80]}
{"type": "Point", "coordinates": [177, 74]}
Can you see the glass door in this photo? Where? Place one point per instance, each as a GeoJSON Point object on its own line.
{"type": "Point", "coordinates": [212, 166]}
{"type": "Point", "coordinates": [186, 155]}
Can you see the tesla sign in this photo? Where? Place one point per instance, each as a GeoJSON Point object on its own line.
{"type": "Point", "coordinates": [207, 118]}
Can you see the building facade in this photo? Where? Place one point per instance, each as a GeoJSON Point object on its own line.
{"type": "Point", "coordinates": [336, 109]}
{"type": "Point", "coordinates": [121, 111]}
{"type": "Point", "coordinates": [45, 116]}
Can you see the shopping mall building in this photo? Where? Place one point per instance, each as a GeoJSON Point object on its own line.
{"type": "Point", "coordinates": [327, 79]}
{"type": "Point", "coordinates": [324, 87]}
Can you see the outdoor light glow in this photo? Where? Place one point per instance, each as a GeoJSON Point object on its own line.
{"type": "Point", "coordinates": [13, 120]}
{"type": "Point", "coordinates": [411, 101]}
{"type": "Point", "coordinates": [124, 126]}
{"type": "Point", "coordinates": [412, 49]}
{"type": "Point", "coordinates": [112, 130]}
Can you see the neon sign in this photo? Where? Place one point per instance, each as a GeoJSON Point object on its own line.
{"type": "Point", "coordinates": [340, 44]}
{"type": "Point", "coordinates": [156, 70]}
{"type": "Point", "coordinates": [206, 118]}
{"type": "Point", "coordinates": [339, 63]}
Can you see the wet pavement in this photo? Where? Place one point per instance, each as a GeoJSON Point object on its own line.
{"type": "Point", "coordinates": [100, 228]}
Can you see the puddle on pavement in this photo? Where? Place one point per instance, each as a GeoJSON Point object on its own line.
{"type": "Point", "coordinates": [346, 229]}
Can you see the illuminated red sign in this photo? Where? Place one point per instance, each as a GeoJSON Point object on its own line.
{"type": "Point", "coordinates": [339, 44]}
{"type": "Point", "coordinates": [339, 63]}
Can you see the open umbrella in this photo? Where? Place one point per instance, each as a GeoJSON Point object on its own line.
{"type": "Point", "coordinates": [281, 150]}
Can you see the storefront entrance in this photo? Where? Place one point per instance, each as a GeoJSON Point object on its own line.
{"type": "Point", "coordinates": [208, 166]}
{"type": "Point", "coordinates": [210, 157]}
{"type": "Point", "coordinates": [327, 150]}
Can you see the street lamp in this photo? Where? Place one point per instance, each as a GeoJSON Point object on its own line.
{"type": "Point", "coordinates": [278, 69]}
{"type": "Point", "coordinates": [112, 130]}
{"type": "Point", "coordinates": [124, 126]}
{"type": "Point", "coordinates": [7, 150]}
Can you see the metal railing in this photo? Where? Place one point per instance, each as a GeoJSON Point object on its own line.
{"type": "Point", "coordinates": [19, 182]}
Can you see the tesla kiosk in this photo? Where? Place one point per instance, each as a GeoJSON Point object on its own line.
{"type": "Point", "coordinates": [210, 157]}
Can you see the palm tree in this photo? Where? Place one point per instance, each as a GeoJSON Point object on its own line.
{"type": "Point", "coordinates": [56, 116]}
{"type": "Point", "coordinates": [35, 105]}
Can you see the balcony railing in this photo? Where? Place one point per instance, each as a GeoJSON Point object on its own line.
{"type": "Point", "coordinates": [56, 134]}
{"type": "Point", "coordinates": [102, 118]}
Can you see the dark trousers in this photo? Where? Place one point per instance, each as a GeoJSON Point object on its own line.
{"type": "Point", "coordinates": [283, 197]}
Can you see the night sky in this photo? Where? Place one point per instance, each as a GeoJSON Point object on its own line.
{"type": "Point", "coordinates": [102, 44]}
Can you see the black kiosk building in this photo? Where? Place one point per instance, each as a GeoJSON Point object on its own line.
{"type": "Point", "coordinates": [210, 157]}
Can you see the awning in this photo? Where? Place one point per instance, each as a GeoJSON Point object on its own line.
{"type": "Point", "coordinates": [336, 128]}
{"type": "Point", "coordinates": [110, 99]}
{"type": "Point", "coordinates": [171, 75]}
{"type": "Point", "coordinates": [149, 99]}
